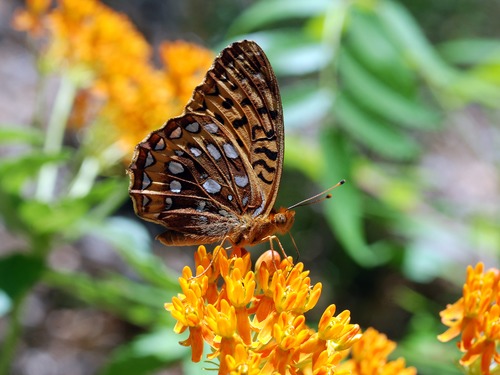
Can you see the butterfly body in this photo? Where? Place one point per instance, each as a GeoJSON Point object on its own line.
{"type": "Point", "coordinates": [212, 174]}
{"type": "Point", "coordinates": [247, 231]}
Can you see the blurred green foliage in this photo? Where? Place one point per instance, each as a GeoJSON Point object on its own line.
{"type": "Point", "coordinates": [365, 93]}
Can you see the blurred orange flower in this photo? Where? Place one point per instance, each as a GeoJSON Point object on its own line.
{"type": "Point", "coordinates": [120, 92]}
{"type": "Point", "coordinates": [476, 316]}
{"type": "Point", "coordinates": [185, 64]}
{"type": "Point", "coordinates": [227, 314]}
{"type": "Point", "coordinates": [370, 356]}
{"type": "Point", "coordinates": [32, 18]}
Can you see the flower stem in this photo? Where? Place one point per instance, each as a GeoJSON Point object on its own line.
{"type": "Point", "coordinates": [85, 178]}
{"type": "Point", "coordinates": [54, 137]}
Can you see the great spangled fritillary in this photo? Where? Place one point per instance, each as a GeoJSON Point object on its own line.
{"type": "Point", "coordinates": [212, 174]}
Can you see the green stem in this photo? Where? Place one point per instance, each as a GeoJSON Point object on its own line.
{"type": "Point", "coordinates": [85, 178]}
{"type": "Point", "coordinates": [90, 168]}
{"type": "Point", "coordinates": [13, 334]}
{"type": "Point", "coordinates": [54, 137]}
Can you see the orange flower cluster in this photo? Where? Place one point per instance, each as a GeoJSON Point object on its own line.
{"type": "Point", "coordinates": [476, 316]}
{"type": "Point", "coordinates": [369, 356]}
{"type": "Point", "coordinates": [254, 320]}
{"type": "Point", "coordinates": [110, 62]}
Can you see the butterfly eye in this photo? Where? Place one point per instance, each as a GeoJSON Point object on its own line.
{"type": "Point", "coordinates": [280, 218]}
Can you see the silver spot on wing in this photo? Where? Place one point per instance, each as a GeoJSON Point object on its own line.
{"type": "Point", "coordinates": [146, 181]}
{"type": "Point", "coordinates": [160, 145]}
{"type": "Point", "coordinates": [176, 133]}
{"type": "Point", "coordinates": [175, 186]}
{"type": "Point", "coordinates": [194, 127]}
{"type": "Point", "coordinates": [241, 181]}
{"type": "Point", "coordinates": [150, 160]}
{"type": "Point", "coordinates": [211, 128]}
{"type": "Point", "coordinates": [175, 167]}
{"type": "Point", "coordinates": [229, 150]}
{"type": "Point", "coordinates": [195, 151]}
{"type": "Point", "coordinates": [168, 203]}
{"type": "Point", "coordinates": [211, 186]}
{"type": "Point", "coordinates": [212, 150]}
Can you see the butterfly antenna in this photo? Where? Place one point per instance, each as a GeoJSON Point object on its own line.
{"type": "Point", "coordinates": [318, 197]}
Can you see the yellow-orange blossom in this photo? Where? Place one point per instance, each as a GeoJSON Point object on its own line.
{"type": "Point", "coordinates": [254, 320]}
{"type": "Point", "coordinates": [476, 317]}
{"type": "Point", "coordinates": [120, 92]}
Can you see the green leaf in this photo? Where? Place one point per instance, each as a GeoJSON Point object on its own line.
{"type": "Point", "coordinates": [381, 138]}
{"type": "Point", "coordinates": [267, 12]}
{"type": "Point", "coordinates": [345, 214]}
{"type": "Point", "coordinates": [375, 95]}
{"type": "Point", "coordinates": [20, 134]}
{"type": "Point", "coordinates": [471, 51]}
{"type": "Point", "coordinates": [305, 105]}
{"type": "Point", "coordinates": [140, 304]}
{"type": "Point", "coordinates": [147, 353]}
{"type": "Point", "coordinates": [310, 163]}
{"type": "Point", "coordinates": [15, 171]}
{"type": "Point", "coordinates": [106, 197]}
{"type": "Point", "coordinates": [370, 44]}
{"type": "Point", "coordinates": [9, 211]}
{"type": "Point", "coordinates": [133, 242]}
{"type": "Point", "coordinates": [457, 88]}
{"type": "Point", "coordinates": [55, 217]}
{"type": "Point", "coordinates": [18, 273]}
{"type": "Point", "coordinates": [292, 52]}
{"type": "Point", "coordinates": [411, 41]}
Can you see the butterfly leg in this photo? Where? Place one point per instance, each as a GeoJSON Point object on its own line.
{"type": "Point", "coordinates": [214, 257]}
{"type": "Point", "coordinates": [275, 238]}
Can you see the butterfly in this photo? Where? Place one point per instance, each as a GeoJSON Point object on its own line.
{"type": "Point", "coordinates": [212, 174]}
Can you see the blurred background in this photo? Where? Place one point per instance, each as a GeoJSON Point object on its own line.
{"type": "Point", "coordinates": [400, 98]}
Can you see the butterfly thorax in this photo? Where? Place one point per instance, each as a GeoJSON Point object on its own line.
{"type": "Point", "coordinates": [254, 230]}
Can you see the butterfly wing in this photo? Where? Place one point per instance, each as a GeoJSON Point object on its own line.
{"type": "Point", "coordinates": [190, 177]}
{"type": "Point", "coordinates": [241, 92]}
{"type": "Point", "coordinates": [221, 159]}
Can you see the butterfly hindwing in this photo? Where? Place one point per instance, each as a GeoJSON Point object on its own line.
{"type": "Point", "coordinates": [190, 177]}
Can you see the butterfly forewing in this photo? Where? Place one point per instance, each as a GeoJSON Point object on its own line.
{"type": "Point", "coordinates": [203, 171]}
{"type": "Point", "coordinates": [241, 92]}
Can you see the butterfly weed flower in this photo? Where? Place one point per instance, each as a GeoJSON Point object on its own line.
{"type": "Point", "coordinates": [241, 336]}
{"type": "Point", "coordinates": [32, 18]}
{"type": "Point", "coordinates": [369, 355]}
{"type": "Point", "coordinates": [184, 66]}
{"type": "Point", "coordinates": [188, 309]}
{"type": "Point", "coordinates": [119, 95]}
{"type": "Point", "coordinates": [476, 318]}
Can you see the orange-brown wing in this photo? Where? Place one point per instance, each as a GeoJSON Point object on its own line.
{"type": "Point", "coordinates": [221, 159]}
{"type": "Point", "coordinates": [190, 177]}
{"type": "Point", "coordinates": [240, 92]}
